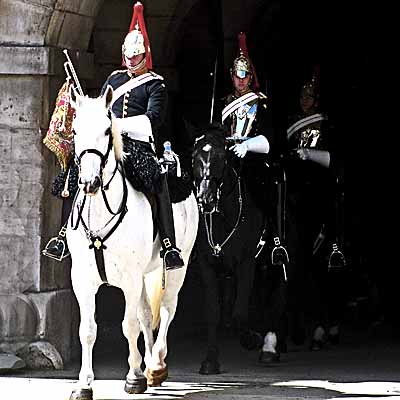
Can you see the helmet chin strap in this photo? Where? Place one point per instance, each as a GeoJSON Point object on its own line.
{"type": "Point", "coordinates": [138, 67]}
{"type": "Point", "coordinates": [244, 91]}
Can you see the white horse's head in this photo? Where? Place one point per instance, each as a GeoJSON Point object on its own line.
{"type": "Point", "coordinates": [93, 139]}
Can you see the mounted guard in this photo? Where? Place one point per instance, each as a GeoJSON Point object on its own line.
{"type": "Point", "coordinates": [314, 208]}
{"type": "Point", "coordinates": [247, 119]}
{"type": "Point", "coordinates": [139, 107]}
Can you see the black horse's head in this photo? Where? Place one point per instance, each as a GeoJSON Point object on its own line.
{"type": "Point", "coordinates": [208, 162]}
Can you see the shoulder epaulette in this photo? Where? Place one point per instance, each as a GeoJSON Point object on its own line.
{"type": "Point", "coordinates": [118, 71]}
{"type": "Point", "coordinates": [228, 99]}
{"type": "Point", "coordinates": [156, 75]}
{"type": "Point", "coordinates": [263, 99]}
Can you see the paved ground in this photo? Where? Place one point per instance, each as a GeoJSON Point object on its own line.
{"type": "Point", "coordinates": [363, 366]}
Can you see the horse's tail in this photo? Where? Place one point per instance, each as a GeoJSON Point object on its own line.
{"type": "Point", "coordinates": [155, 293]}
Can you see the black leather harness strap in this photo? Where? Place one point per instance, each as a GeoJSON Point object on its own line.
{"type": "Point", "coordinates": [97, 243]}
{"type": "Point", "coordinates": [99, 256]}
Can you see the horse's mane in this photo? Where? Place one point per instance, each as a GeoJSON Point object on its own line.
{"type": "Point", "coordinates": [213, 135]}
{"type": "Point", "coordinates": [117, 142]}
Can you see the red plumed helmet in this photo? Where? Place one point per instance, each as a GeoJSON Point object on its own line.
{"type": "Point", "coordinates": [137, 41]}
{"type": "Point", "coordinates": [242, 64]}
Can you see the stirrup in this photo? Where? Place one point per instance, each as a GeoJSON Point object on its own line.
{"type": "Point", "coordinates": [336, 259]}
{"type": "Point", "coordinates": [56, 248]}
{"type": "Point", "coordinates": [279, 255]}
{"type": "Point", "coordinates": [172, 259]}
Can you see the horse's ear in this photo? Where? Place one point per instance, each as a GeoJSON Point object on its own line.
{"type": "Point", "coordinates": [192, 131]}
{"type": "Point", "coordinates": [75, 98]}
{"type": "Point", "coordinates": [108, 95]}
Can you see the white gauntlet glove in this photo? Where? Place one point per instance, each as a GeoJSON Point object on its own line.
{"type": "Point", "coordinates": [240, 149]}
{"type": "Point", "coordinates": [137, 127]}
{"type": "Point", "coordinates": [257, 144]}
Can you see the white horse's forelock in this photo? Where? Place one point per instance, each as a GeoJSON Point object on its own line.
{"type": "Point", "coordinates": [95, 107]}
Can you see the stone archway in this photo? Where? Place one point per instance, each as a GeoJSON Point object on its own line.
{"type": "Point", "coordinates": [32, 37]}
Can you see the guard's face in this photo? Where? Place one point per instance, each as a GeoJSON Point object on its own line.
{"type": "Point", "coordinates": [241, 85]}
{"type": "Point", "coordinates": [307, 103]}
{"type": "Point", "coordinates": [134, 60]}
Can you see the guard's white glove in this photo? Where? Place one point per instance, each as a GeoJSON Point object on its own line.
{"type": "Point", "coordinates": [137, 127]}
{"type": "Point", "coordinates": [240, 149]}
{"type": "Point", "coordinates": [257, 144]}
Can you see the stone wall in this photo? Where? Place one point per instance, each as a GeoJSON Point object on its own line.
{"type": "Point", "coordinates": [36, 301]}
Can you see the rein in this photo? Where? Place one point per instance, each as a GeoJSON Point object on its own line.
{"type": "Point", "coordinates": [97, 242]}
{"type": "Point", "coordinates": [216, 247]}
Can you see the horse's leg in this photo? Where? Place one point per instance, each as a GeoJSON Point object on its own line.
{"type": "Point", "coordinates": [86, 296]}
{"type": "Point", "coordinates": [145, 319]}
{"type": "Point", "coordinates": [244, 286]}
{"type": "Point", "coordinates": [274, 316]}
{"type": "Point", "coordinates": [157, 370]}
{"type": "Point", "coordinates": [135, 380]}
{"type": "Point", "coordinates": [210, 365]}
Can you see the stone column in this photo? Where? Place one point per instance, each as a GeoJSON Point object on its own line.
{"type": "Point", "coordinates": [38, 311]}
{"type": "Point", "coordinates": [34, 293]}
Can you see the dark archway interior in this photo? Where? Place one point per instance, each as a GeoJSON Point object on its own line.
{"type": "Point", "coordinates": [284, 44]}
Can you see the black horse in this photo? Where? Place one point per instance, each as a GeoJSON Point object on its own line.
{"type": "Point", "coordinates": [232, 220]}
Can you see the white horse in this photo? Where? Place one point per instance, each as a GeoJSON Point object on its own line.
{"type": "Point", "coordinates": [117, 225]}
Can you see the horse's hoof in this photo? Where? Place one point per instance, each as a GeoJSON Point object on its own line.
{"type": "Point", "coordinates": [251, 340]}
{"type": "Point", "coordinates": [155, 377]}
{"type": "Point", "coordinates": [209, 367]}
{"type": "Point", "coordinates": [316, 345]}
{"type": "Point", "coordinates": [268, 357]}
{"type": "Point", "coordinates": [135, 386]}
{"type": "Point", "coordinates": [81, 394]}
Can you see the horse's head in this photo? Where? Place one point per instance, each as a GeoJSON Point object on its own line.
{"type": "Point", "coordinates": [93, 138]}
{"type": "Point", "coordinates": [208, 162]}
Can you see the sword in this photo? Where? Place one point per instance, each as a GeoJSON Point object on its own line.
{"type": "Point", "coordinates": [214, 86]}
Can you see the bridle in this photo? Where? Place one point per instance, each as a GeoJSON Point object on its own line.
{"type": "Point", "coordinates": [103, 157]}
{"type": "Point", "coordinates": [95, 238]}
{"type": "Point", "coordinates": [208, 215]}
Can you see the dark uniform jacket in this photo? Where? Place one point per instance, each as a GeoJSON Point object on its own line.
{"type": "Point", "coordinates": [149, 99]}
{"type": "Point", "coordinates": [256, 168]}
{"type": "Point", "coordinates": [312, 188]}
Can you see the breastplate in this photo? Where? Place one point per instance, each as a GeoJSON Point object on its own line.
{"type": "Point", "coordinates": [243, 120]}
{"type": "Point", "coordinates": [310, 137]}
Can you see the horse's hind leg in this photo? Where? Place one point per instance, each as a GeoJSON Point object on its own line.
{"type": "Point", "coordinates": [146, 318]}
{"type": "Point", "coordinates": [135, 380]}
{"type": "Point", "coordinates": [87, 335]}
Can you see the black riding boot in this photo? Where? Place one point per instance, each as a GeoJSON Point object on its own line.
{"type": "Point", "coordinates": [170, 253]}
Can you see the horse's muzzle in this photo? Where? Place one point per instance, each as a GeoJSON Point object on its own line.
{"type": "Point", "coordinates": [91, 188]}
{"type": "Point", "coordinates": [207, 202]}
{"type": "Point", "coordinates": [206, 196]}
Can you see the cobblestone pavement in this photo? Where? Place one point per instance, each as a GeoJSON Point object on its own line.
{"type": "Point", "coordinates": [353, 370]}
